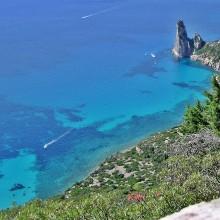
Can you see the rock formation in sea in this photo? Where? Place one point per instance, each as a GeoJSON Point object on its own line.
{"type": "Point", "coordinates": [207, 53]}
{"type": "Point", "coordinates": [185, 46]}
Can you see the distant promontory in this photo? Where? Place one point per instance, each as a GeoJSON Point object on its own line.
{"type": "Point", "coordinates": [207, 53]}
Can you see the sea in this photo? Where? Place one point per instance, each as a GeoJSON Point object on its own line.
{"type": "Point", "coordinates": [81, 80]}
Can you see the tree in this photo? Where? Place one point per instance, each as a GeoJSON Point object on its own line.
{"type": "Point", "coordinates": [206, 115]}
{"type": "Point", "coordinates": [194, 118]}
{"type": "Point", "coordinates": [212, 106]}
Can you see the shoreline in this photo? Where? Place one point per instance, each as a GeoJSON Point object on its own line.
{"type": "Point", "coordinates": [208, 55]}
{"type": "Point", "coordinates": [106, 166]}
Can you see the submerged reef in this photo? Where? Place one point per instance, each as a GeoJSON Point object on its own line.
{"type": "Point", "coordinates": [17, 186]}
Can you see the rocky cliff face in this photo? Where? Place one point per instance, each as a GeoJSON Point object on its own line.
{"type": "Point", "coordinates": [185, 46]}
{"type": "Point", "coordinates": [202, 211]}
{"type": "Point", "coordinates": [198, 42]}
{"type": "Point", "coordinates": [196, 48]}
{"type": "Point", "coordinates": [209, 55]}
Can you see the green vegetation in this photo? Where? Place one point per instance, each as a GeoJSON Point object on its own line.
{"type": "Point", "coordinates": [161, 175]}
{"type": "Point", "coordinates": [206, 115]}
{"type": "Point", "coordinates": [210, 50]}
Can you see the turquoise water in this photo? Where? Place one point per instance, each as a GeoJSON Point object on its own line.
{"type": "Point", "coordinates": [88, 88]}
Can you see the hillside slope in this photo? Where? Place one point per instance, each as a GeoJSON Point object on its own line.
{"type": "Point", "coordinates": [159, 176]}
{"type": "Point", "coordinates": [209, 55]}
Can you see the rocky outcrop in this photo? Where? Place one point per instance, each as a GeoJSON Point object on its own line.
{"type": "Point", "coordinates": [198, 42]}
{"type": "Point", "coordinates": [209, 55]}
{"type": "Point", "coordinates": [185, 46]}
{"type": "Point", "coordinates": [196, 48]}
{"type": "Point", "coordinates": [202, 211]}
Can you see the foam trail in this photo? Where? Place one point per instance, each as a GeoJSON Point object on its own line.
{"type": "Point", "coordinates": [98, 13]}
{"type": "Point", "coordinates": [57, 139]}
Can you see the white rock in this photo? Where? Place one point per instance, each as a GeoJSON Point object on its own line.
{"type": "Point", "coordinates": [202, 211]}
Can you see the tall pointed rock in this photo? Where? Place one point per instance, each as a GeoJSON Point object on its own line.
{"type": "Point", "coordinates": [183, 45]}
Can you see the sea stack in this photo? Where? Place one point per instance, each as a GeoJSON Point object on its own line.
{"type": "Point", "coordinates": [184, 46]}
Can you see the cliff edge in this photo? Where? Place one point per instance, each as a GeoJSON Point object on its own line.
{"type": "Point", "coordinates": [209, 55]}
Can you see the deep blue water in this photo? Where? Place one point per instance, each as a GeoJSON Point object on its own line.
{"type": "Point", "coordinates": [89, 87]}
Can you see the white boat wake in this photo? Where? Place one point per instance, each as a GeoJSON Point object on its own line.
{"type": "Point", "coordinates": [98, 13]}
{"type": "Point", "coordinates": [57, 139]}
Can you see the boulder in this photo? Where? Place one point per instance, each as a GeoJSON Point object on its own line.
{"type": "Point", "coordinates": [202, 211]}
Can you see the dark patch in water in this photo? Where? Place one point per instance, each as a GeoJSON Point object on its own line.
{"type": "Point", "coordinates": [83, 105]}
{"type": "Point", "coordinates": [7, 154]}
{"type": "Point", "coordinates": [145, 92]}
{"type": "Point", "coordinates": [99, 124]}
{"type": "Point", "coordinates": [1, 176]}
{"type": "Point", "coordinates": [166, 111]}
{"type": "Point", "coordinates": [100, 146]}
{"type": "Point", "coordinates": [149, 67]}
{"type": "Point", "coordinates": [17, 186]}
{"type": "Point", "coordinates": [188, 86]}
{"type": "Point", "coordinates": [70, 114]}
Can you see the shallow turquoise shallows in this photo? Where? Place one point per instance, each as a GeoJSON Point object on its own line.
{"type": "Point", "coordinates": [83, 79]}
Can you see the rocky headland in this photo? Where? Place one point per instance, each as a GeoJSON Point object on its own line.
{"type": "Point", "coordinates": [207, 53]}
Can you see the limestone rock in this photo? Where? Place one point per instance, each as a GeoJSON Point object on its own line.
{"type": "Point", "coordinates": [198, 42]}
{"type": "Point", "coordinates": [209, 55]}
{"type": "Point", "coordinates": [183, 45]}
{"type": "Point", "coordinates": [202, 211]}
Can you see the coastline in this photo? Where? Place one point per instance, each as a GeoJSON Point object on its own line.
{"type": "Point", "coordinates": [118, 164]}
{"type": "Point", "coordinates": [208, 55]}
{"type": "Point", "coordinates": [129, 148]}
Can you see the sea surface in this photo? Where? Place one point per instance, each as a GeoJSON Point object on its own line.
{"type": "Point", "coordinates": [78, 83]}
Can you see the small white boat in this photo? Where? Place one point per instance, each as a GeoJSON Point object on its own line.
{"type": "Point", "coordinates": [153, 55]}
